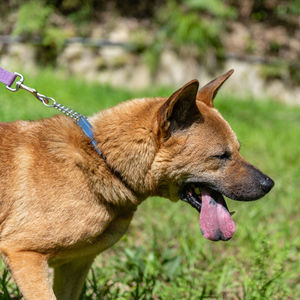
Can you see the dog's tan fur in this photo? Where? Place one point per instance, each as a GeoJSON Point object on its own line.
{"type": "Point", "coordinates": [61, 204]}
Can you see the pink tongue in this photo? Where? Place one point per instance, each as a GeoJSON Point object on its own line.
{"type": "Point", "coordinates": [215, 220]}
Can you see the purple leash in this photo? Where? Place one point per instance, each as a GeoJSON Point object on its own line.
{"type": "Point", "coordinates": [8, 79]}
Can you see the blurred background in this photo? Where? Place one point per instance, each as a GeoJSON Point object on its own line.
{"type": "Point", "coordinates": [90, 55]}
{"type": "Point", "coordinates": [138, 43]}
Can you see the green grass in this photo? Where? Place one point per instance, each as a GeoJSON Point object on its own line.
{"type": "Point", "coordinates": [163, 255]}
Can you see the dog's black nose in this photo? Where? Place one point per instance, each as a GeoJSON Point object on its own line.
{"type": "Point", "coordinates": [266, 184]}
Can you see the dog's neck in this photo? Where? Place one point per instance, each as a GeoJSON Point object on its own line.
{"type": "Point", "coordinates": [129, 145]}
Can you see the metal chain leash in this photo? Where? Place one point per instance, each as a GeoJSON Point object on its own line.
{"type": "Point", "coordinates": [81, 120]}
{"type": "Point", "coordinates": [47, 101]}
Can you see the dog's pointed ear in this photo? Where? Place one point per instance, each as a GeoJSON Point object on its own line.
{"type": "Point", "coordinates": [210, 90]}
{"type": "Point", "coordinates": [180, 107]}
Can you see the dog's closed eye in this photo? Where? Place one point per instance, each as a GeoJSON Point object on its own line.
{"type": "Point", "coordinates": [223, 156]}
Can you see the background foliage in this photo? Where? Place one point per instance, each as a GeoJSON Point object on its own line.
{"type": "Point", "coordinates": [180, 24]}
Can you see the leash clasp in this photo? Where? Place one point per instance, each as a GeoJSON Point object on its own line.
{"type": "Point", "coordinates": [18, 83]}
{"type": "Point", "coordinates": [44, 99]}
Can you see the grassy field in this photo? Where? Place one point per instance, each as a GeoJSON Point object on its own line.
{"type": "Point", "coordinates": [163, 255]}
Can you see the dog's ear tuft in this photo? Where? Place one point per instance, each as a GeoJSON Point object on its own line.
{"type": "Point", "coordinates": [210, 90]}
{"type": "Point", "coordinates": [180, 108]}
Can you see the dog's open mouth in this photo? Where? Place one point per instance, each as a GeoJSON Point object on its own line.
{"type": "Point", "coordinates": [215, 219]}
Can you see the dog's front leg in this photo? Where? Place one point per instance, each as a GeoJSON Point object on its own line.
{"type": "Point", "coordinates": [30, 271]}
{"type": "Point", "coordinates": [69, 278]}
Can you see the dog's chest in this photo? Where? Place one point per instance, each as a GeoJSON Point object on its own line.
{"type": "Point", "coordinates": [112, 234]}
{"type": "Point", "coordinates": [114, 231]}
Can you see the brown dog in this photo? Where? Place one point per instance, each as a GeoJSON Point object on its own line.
{"type": "Point", "coordinates": [62, 204]}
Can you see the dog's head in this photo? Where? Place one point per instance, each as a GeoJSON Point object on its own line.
{"type": "Point", "coordinates": [199, 160]}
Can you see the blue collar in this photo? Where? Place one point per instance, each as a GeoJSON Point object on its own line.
{"type": "Point", "coordinates": [87, 129]}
